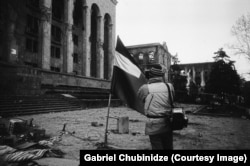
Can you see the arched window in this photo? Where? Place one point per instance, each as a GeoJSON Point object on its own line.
{"type": "Point", "coordinates": [94, 39]}
{"type": "Point", "coordinates": [107, 44]}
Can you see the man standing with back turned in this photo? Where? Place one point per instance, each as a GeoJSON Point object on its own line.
{"type": "Point", "coordinates": [157, 107]}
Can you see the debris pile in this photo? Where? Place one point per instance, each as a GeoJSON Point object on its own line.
{"type": "Point", "coordinates": [23, 142]}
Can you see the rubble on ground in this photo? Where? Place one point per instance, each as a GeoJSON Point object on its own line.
{"type": "Point", "coordinates": [22, 142]}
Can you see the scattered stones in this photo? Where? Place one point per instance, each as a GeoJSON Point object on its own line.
{"type": "Point", "coordinates": [135, 133]}
{"type": "Point", "coordinates": [134, 120]}
{"type": "Point", "coordinates": [96, 124]}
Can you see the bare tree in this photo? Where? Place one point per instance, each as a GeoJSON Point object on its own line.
{"type": "Point", "coordinates": [241, 30]}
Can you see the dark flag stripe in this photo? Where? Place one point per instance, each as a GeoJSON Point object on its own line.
{"type": "Point", "coordinates": [124, 51]}
{"type": "Point", "coordinates": [127, 79]}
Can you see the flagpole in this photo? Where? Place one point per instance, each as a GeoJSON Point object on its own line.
{"type": "Point", "coordinates": [107, 121]}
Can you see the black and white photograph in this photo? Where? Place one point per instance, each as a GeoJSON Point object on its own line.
{"type": "Point", "coordinates": [99, 81]}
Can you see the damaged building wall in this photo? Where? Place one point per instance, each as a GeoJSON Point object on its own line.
{"type": "Point", "coordinates": [147, 55]}
{"type": "Point", "coordinates": [72, 37]}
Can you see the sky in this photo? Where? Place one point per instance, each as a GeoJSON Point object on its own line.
{"type": "Point", "coordinates": [193, 29]}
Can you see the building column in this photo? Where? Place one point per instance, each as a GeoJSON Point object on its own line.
{"type": "Point", "coordinates": [203, 83]}
{"type": "Point", "coordinates": [113, 44]}
{"type": "Point", "coordinates": [100, 52]}
{"type": "Point", "coordinates": [69, 46]}
{"type": "Point", "coordinates": [86, 40]}
{"type": "Point", "coordinates": [194, 75]}
{"type": "Point", "coordinates": [110, 51]}
{"type": "Point", "coordinates": [46, 34]}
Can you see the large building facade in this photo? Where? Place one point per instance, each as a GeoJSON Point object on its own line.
{"type": "Point", "coordinates": [147, 55]}
{"type": "Point", "coordinates": [56, 42]}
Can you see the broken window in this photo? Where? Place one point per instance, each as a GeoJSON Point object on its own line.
{"type": "Point", "coordinates": [57, 9]}
{"type": "Point", "coordinates": [55, 52]}
{"type": "Point", "coordinates": [151, 56]}
{"type": "Point", "coordinates": [77, 13]}
{"type": "Point", "coordinates": [75, 58]}
{"type": "Point", "coordinates": [56, 69]}
{"type": "Point", "coordinates": [75, 40]}
{"type": "Point", "coordinates": [55, 33]}
{"type": "Point", "coordinates": [32, 45]}
{"type": "Point", "coordinates": [33, 3]}
{"type": "Point", "coordinates": [141, 56]}
{"type": "Point", "coordinates": [32, 26]}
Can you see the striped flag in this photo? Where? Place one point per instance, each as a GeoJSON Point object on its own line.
{"type": "Point", "coordinates": [25, 155]}
{"type": "Point", "coordinates": [127, 78]}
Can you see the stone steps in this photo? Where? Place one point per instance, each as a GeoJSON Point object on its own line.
{"type": "Point", "coordinates": [54, 101]}
{"type": "Point", "coordinates": [22, 105]}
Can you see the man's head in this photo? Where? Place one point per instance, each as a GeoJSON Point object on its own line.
{"type": "Point", "coordinates": [156, 71]}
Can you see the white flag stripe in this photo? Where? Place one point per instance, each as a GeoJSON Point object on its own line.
{"type": "Point", "coordinates": [126, 65]}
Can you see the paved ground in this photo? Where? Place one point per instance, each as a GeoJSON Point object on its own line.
{"type": "Point", "coordinates": [203, 132]}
